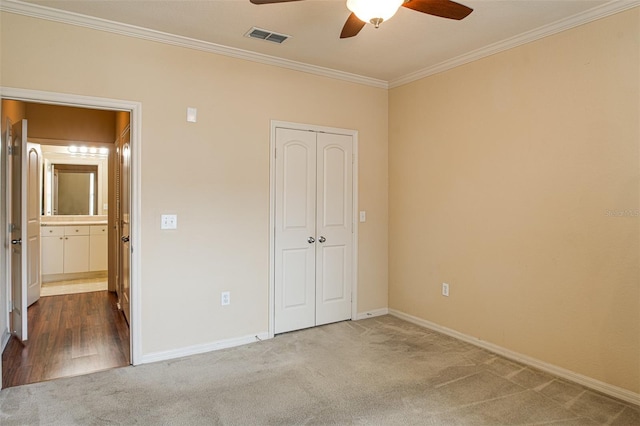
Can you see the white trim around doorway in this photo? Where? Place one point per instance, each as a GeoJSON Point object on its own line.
{"type": "Point", "coordinates": [135, 108]}
{"type": "Point", "coordinates": [272, 220]}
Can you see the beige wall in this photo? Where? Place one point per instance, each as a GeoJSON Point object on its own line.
{"type": "Point", "coordinates": [69, 123]}
{"type": "Point", "coordinates": [213, 174]}
{"type": "Point", "coordinates": [503, 174]}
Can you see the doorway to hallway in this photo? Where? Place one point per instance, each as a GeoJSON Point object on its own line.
{"type": "Point", "coordinates": [83, 335]}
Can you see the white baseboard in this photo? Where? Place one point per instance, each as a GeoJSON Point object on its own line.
{"type": "Point", "coordinates": [589, 382]}
{"type": "Point", "coordinates": [371, 314]}
{"type": "Point", "coordinates": [205, 347]}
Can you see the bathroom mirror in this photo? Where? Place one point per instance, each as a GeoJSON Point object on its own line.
{"type": "Point", "coordinates": [74, 189]}
{"type": "Point", "coordinates": [74, 183]}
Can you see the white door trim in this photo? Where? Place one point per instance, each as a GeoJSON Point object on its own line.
{"type": "Point", "coordinates": [272, 219]}
{"type": "Point", "coordinates": [135, 108]}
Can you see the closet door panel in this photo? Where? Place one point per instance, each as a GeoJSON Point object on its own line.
{"type": "Point", "coordinates": [334, 228]}
{"type": "Point", "coordinates": [295, 205]}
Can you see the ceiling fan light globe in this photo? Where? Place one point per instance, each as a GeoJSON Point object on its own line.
{"type": "Point", "coordinates": [374, 10]}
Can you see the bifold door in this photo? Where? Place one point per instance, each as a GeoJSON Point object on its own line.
{"type": "Point", "coordinates": [314, 228]}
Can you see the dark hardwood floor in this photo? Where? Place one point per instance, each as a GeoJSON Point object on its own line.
{"type": "Point", "coordinates": [68, 335]}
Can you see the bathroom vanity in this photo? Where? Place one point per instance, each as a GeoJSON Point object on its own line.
{"type": "Point", "coordinates": [73, 249]}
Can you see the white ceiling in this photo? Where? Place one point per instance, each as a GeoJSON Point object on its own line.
{"type": "Point", "coordinates": [407, 43]}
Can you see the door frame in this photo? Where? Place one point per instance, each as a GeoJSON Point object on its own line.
{"type": "Point", "coordinates": [272, 210]}
{"type": "Point", "coordinates": [135, 110]}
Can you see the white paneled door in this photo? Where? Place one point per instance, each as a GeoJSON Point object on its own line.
{"type": "Point", "coordinates": [32, 182]}
{"type": "Point", "coordinates": [24, 199]}
{"type": "Point", "coordinates": [124, 275]}
{"type": "Point", "coordinates": [313, 228]}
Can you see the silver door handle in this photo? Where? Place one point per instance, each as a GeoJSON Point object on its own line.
{"type": "Point", "coordinates": [125, 239]}
{"type": "Point", "coordinates": [17, 242]}
{"type": "Point", "coordinates": [311, 240]}
{"type": "Point", "coordinates": [322, 239]}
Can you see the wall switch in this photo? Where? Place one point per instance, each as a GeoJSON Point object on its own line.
{"type": "Point", "coordinates": [169, 221]}
{"type": "Point", "coordinates": [363, 216]}
{"type": "Point", "coordinates": [445, 289]}
{"type": "Point", "coordinates": [192, 115]}
{"type": "Point", "coordinates": [225, 298]}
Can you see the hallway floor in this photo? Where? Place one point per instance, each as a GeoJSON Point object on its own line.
{"type": "Point", "coordinates": [69, 335]}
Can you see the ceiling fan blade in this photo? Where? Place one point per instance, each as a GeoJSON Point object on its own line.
{"type": "Point", "coordinates": [352, 27]}
{"type": "Point", "coordinates": [442, 8]}
{"type": "Point", "coordinates": [270, 1]}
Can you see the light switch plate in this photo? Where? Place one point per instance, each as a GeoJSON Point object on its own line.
{"type": "Point", "coordinates": [363, 216]}
{"type": "Point", "coordinates": [192, 115]}
{"type": "Point", "coordinates": [169, 221]}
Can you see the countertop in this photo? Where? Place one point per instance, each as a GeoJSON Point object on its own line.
{"type": "Point", "coordinates": [74, 222]}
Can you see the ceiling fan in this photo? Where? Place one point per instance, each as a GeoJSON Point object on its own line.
{"type": "Point", "coordinates": [377, 11]}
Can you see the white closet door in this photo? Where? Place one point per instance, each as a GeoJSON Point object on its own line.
{"type": "Point", "coordinates": [334, 227]}
{"type": "Point", "coordinates": [295, 212]}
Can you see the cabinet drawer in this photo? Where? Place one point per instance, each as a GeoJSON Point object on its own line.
{"type": "Point", "coordinates": [52, 231]}
{"type": "Point", "coordinates": [98, 229]}
{"type": "Point", "coordinates": [76, 230]}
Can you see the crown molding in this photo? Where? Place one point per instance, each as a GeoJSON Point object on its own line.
{"type": "Point", "coordinates": [42, 12]}
{"type": "Point", "coordinates": [590, 15]}
{"type": "Point", "coordinates": [71, 18]}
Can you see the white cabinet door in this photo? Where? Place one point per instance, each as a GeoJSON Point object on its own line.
{"type": "Point", "coordinates": [98, 248]}
{"type": "Point", "coordinates": [76, 249]}
{"type": "Point", "coordinates": [313, 229]}
{"type": "Point", "coordinates": [52, 252]}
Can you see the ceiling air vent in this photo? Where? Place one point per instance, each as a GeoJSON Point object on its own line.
{"type": "Point", "coordinates": [266, 35]}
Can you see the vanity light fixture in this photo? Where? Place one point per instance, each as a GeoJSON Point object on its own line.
{"type": "Point", "coordinates": [88, 150]}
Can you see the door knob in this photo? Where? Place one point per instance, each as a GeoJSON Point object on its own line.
{"type": "Point", "coordinates": [125, 239]}
{"type": "Point", "coordinates": [18, 241]}
{"type": "Point", "coordinates": [311, 240]}
{"type": "Point", "coordinates": [322, 239]}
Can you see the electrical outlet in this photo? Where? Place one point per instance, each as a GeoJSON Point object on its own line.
{"type": "Point", "coordinates": [225, 298]}
{"type": "Point", "coordinates": [445, 289]}
{"type": "Point", "coordinates": [168, 221]}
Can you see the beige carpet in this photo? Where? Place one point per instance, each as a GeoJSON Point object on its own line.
{"type": "Point", "coordinates": [379, 371]}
